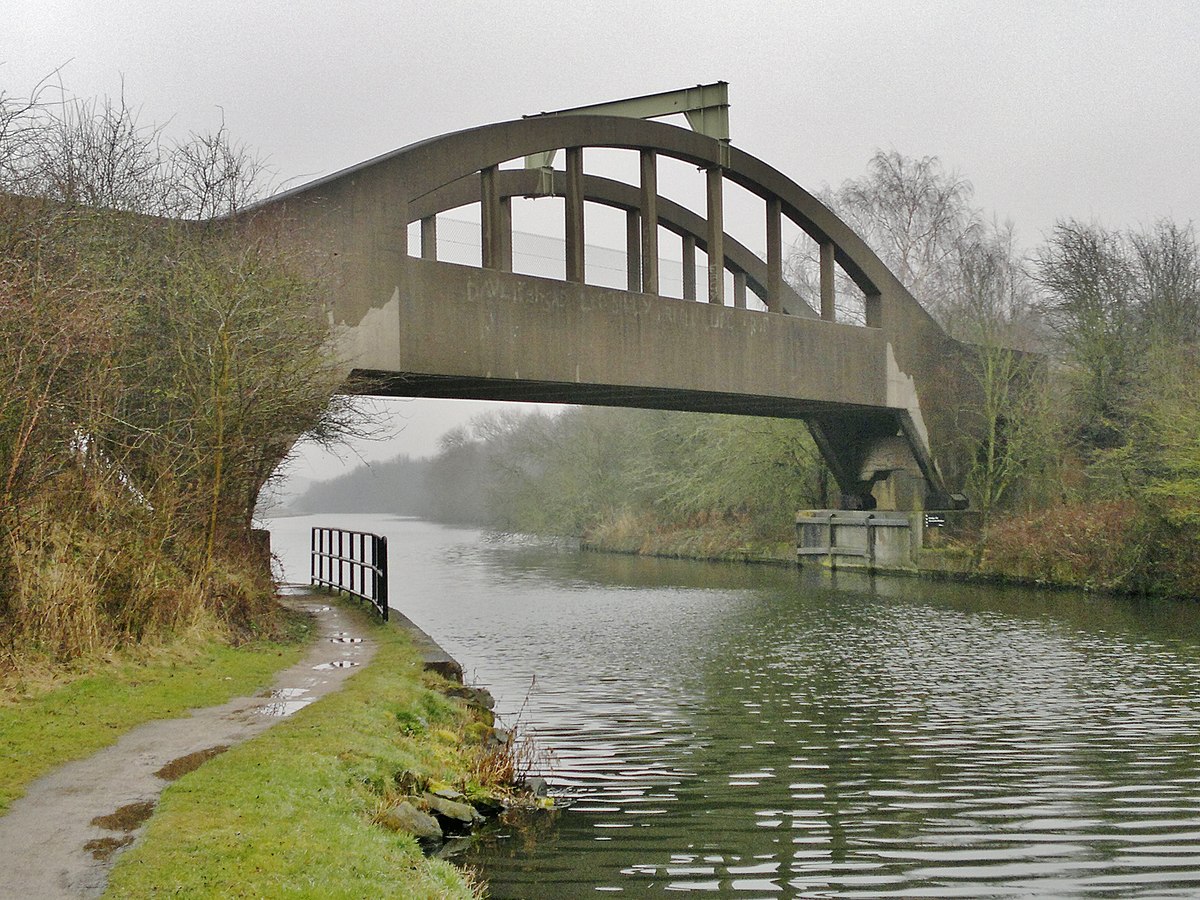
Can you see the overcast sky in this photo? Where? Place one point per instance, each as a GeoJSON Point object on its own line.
{"type": "Point", "coordinates": [1050, 109]}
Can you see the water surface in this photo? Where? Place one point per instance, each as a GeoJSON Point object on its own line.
{"type": "Point", "coordinates": [757, 732]}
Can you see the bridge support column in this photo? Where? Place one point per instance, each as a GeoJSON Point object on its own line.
{"type": "Point", "coordinates": [716, 236]}
{"type": "Point", "coordinates": [489, 218]}
{"type": "Point", "coordinates": [429, 237]}
{"type": "Point", "coordinates": [649, 166]}
{"type": "Point", "coordinates": [739, 290]}
{"type": "Point", "coordinates": [774, 255]}
{"type": "Point", "coordinates": [689, 267]}
{"type": "Point", "coordinates": [574, 212]}
{"type": "Point", "coordinates": [633, 251]}
{"type": "Point", "coordinates": [505, 234]}
{"type": "Point", "coordinates": [874, 310]}
{"type": "Point", "coordinates": [828, 294]}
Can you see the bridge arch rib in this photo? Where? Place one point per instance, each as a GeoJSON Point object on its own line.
{"type": "Point", "coordinates": [426, 167]}
{"type": "Point", "coordinates": [866, 408]}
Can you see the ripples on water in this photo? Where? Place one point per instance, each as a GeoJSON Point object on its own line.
{"type": "Point", "coordinates": [759, 733]}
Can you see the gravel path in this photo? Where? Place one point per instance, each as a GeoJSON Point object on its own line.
{"type": "Point", "coordinates": [62, 838]}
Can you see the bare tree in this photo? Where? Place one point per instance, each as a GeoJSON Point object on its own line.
{"type": "Point", "coordinates": [914, 214]}
{"type": "Point", "coordinates": [20, 133]}
{"type": "Point", "coordinates": [1090, 304]}
{"type": "Point", "coordinates": [1167, 271]}
{"type": "Point", "coordinates": [1009, 433]}
{"type": "Point", "coordinates": [95, 153]}
{"type": "Point", "coordinates": [212, 176]}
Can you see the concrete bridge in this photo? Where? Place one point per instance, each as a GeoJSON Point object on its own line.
{"type": "Point", "coordinates": [411, 325]}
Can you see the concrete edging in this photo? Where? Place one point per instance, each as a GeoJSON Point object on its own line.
{"type": "Point", "coordinates": [433, 657]}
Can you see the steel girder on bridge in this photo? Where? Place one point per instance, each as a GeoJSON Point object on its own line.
{"type": "Point", "coordinates": [421, 327]}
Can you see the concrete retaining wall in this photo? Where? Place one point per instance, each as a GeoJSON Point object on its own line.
{"type": "Point", "coordinates": [858, 540]}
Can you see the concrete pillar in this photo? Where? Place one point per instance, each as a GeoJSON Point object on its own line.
{"type": "Point", "coordinates": [873, 310]}
{"type": "Point", "coordinates": [574, 212]}
{"type": "Point", "coordinates": [505, 234]}
{"type": "Point", "coordinates": [489, 217]}
{"type": "Point", "coordinates": [716, 236]}
{"type": "Point", "coordinates": [828, 305]}
{"type": "Point", "coordinates": [633, 251]}
{"type": "Point", "coordinates": [774, 255]}
{"type": "Point", "coordinates": [689, 267]}
{"type": "Point", "coordinates": [429, 237]}
{"type": "Point", "coordinates": [739, 290]}
{"type": "Point", "coordinates": [649, 222]}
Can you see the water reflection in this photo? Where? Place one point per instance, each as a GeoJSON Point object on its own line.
{"type": "Point", "coordinates": [747, 731]}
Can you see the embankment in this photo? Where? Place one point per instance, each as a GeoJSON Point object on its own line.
{"type": "Point", "coordinates": [719, 540]}
{"type": "Point", "coordinates": [1049, 555]}
{"type": "Point", "coordinates": [321, 805]}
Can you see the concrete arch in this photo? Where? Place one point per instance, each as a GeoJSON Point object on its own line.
{"type": "Point", "coordinates": [433, 164]}
{"type": "Point", "coordinates": [417, 325]}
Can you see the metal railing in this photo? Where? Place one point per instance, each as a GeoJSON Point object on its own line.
{"type": "Point", "coordinates": [352, 562]}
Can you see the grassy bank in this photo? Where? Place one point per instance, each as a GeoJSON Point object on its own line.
{"type": "Point", "coordinates": [725, 539]}
{"type": "Point", "coordinates": [1098, 547]}
{"type": "Point", "coordinates": [47, 720]}
{"type": "Point", "coordinates": [294, 812]}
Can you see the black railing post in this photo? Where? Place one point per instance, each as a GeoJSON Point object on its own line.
{"type": "Point", "coordinates": [381, 572]}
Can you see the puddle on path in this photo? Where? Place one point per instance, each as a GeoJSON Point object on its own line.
{"type": "Point", "coordinates": [284, 693]}
{"type": "Point", "coordinates": [284, 702]}
{"type": "Point", "coordinates": [283, 708]}
{"type": "Point", "coordinates": [103, 848]}
{"type": "Point", "coordinates": [336, 664]}
{"type": "Point", "coordinates": [177, 768]}
{"type": "Point", "coordinates": [345, 640]}
{"type": "Point", "coordinates": [127, 818]}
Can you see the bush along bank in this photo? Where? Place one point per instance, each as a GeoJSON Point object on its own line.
{"type": "Point", "coordinates": [341, 799]}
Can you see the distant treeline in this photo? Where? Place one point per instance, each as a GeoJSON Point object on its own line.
{"type": "Point", "coordinates": [589, 470]}
{"type": "Point", "coordinates": [399, 486]}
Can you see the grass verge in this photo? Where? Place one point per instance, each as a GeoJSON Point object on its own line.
{"type": "Point", "coordinates": [43, 727]}
{"type": "Point", "coordinates": [293, 812]}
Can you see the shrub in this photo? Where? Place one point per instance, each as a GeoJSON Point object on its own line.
{"type": "Point", "coordinates": [153, 374]}
{"type": "Point", "coordinates": [1089, 546]}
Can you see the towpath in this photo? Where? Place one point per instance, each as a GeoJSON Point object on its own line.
{"type": "Point", "coordinates": [62, 838]}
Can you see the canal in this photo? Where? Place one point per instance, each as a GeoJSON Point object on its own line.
{"type": "Point", "coordinates": [751, 731]}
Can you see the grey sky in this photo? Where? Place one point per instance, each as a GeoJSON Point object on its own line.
{"type": "Point", "coordinates": [1051, 109]}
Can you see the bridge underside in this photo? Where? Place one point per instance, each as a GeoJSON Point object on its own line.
{"type": "Point", "coordinates": [451, 387]}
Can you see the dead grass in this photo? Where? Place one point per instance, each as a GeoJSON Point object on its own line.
{"type": "Point", "coordinates": [1090, 546]}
